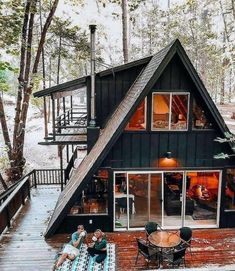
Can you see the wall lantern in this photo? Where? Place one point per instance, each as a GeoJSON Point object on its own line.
{"type": "Point", "coordinates": [167, 161]}
{"type": "Point", "coordinates": [168, 155]}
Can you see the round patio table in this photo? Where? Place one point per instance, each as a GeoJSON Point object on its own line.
{"type": "Point", "coordinates": [164, 239]}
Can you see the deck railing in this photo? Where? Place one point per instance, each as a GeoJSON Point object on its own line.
{"type": "Point", "coordinates": [72, 118]}
{"type": "Point", "coordinates": [14, 200]}
{"type": "Point", "coordinates": [14, 197]}
{"type": "Point", "coordinates": [46, 176]}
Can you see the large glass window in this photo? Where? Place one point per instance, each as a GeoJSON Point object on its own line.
{"type": "Point", "coordinates": [138, 120]}
{"type": "Point", "coordinates": [170, 111]}
{"type": "Point", "coordinates": [200, 121]}
{"type": "Point", "coordinates": [230, 189]}
{"type": "Point", "coordinates": [203, 188]}
{"type": "Point", "coordinates": [94, 198]}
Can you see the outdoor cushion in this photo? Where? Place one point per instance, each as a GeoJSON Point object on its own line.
{"type": "Point", "coordinates": [84, 262]}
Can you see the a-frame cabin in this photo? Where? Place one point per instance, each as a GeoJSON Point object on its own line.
{"type": "Point", "coordinates": [150, 155]}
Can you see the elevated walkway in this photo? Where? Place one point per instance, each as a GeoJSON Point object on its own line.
{"type": "Point", "coordinates": [23, 246]}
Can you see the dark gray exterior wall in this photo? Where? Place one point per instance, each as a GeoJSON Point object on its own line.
{"type": "Point", "coordinates": [193, 148]}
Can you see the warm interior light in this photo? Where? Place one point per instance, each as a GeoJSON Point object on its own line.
{"type": "Point", "coordinates": [168, 162]}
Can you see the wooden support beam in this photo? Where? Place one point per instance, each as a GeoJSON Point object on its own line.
{"type": "Point", "coordinates": [53, 118]}
{"type": "Point", "coordinates": [61, 167]}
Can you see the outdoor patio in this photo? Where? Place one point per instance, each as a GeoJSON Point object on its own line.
{"type": "Point", "coordinates": [24, 248]}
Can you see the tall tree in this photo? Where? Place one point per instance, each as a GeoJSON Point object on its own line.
{"type": "Point", "coordinates": [125, 30]}
{"type": "Point", "coordinates": [127, 7]}
{"type": "Point", "coordinates": [27, 72]}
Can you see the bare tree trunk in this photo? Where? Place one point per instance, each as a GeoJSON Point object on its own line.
{"type": "Point", "coordinates": [230, 86]}
{"type": "Point", "coordinates": [21, 72]}
{"type": "Point", "coordinates": [58, 73]}
{"type": "Point", "coordinates": [5, 130]}
{"type": "Point", "coordinates": [19, 159]}
{"type": "Point", "coordinates": [49, 100]}
{"type": "Point", "coordinates": [168, 20]}
{"type": "Point", "coordinates": [124, 31]}
{"type": "Point", "coordinates": [44, 80]}
{"type": "Point", "coordinates": [224, 21]}
{"type": "Point", "coordinates": [4, 185]}
{"type": "Point", "coordinates": [223, 74]}
{"type": "Point", "coordinates": [17, 151]}
{"type": "Point", "coordinates": [233, 8]}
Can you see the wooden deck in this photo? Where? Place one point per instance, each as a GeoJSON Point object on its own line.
{"type": "Point", "coordinates": [23, 248]}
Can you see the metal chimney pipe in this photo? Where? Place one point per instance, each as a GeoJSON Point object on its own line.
{"type": "Point", "coordinates": [92, 42]}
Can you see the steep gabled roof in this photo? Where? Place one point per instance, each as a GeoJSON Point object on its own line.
{"type": "Point", "coordinates": [117, 123]}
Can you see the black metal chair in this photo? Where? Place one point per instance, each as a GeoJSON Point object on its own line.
{"type": "Point", "coordinates": [149, 252]}
{"type": "Point", "coordinates": [175, 257]}
{"type": "Point", "coordinates": [151, 227]}
{"type": "Point", "coordinates": [186, 237]}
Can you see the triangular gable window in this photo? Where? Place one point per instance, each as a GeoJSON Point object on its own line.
{"type": "Point", "coordinates": [138, 120]}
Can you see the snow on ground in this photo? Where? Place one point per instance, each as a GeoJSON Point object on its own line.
{"type": "Point", "coordinates": [226, 111]}
{"type": "Point", "coordinates": [37, 156]}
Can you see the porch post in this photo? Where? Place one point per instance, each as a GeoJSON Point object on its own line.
{"type": "Point", "coordinates": [53, 118]}
{"type": "Point", "coordinates": [61, 167]}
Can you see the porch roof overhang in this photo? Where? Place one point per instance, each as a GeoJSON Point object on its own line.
{"type": "Point", "coordinates": [68, 86]}
{"type": "Point", "coordinates": [82, 81]}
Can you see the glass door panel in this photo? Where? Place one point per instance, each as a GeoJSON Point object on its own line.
{"type": "Point", "coordinates": [138, 199]}
{"type": "Point", "coordinates": [172, 195]}
{"type": "Point", "coordinates": [201, 198]}
{"type": "Point", "coordinates": [156, 198]}
{"type": "Point", "coordinates": [120, 200]}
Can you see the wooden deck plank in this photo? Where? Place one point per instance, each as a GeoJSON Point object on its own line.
{"type": "Point", "coordinates": [23, 247]}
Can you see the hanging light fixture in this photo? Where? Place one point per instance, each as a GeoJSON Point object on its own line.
{"type": "Point", "coordinates": [168, 155]}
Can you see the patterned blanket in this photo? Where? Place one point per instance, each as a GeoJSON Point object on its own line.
{"type": "Point", "coordinates": [84, 262]}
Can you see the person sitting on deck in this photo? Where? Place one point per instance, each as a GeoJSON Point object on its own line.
{"type": "Point", "coordinates": [98, 247]}
{"type": "Point", "coordinates": [71, 250]}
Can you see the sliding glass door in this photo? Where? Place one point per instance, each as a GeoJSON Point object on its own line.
{"type": "Point", "coordinates": [140, 202]}
{"type": "Point", "coordinates": [138, 199]}
{"type": "Point", "coordinates": [171, 198]}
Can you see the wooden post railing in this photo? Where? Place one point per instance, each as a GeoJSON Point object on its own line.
{"type": "Point", "coordinates": [15, 196]}
{"type": "Point", "coordinates": [13, 202]}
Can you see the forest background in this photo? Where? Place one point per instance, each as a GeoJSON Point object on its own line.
{"type": "Point", "coordinates": [46, 42]}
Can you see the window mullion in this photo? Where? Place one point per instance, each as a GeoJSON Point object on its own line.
{"type": "Point", "coordinates": [169, 120]}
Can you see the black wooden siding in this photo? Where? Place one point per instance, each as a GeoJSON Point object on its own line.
{"type": "Point", "coordinates": [142, 149]}
{"type": "Point", "coordinates": [110, 90]}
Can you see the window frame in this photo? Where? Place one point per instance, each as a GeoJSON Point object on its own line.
{"type": "Point", "coordinates": [145, 117]}
{"type": "Point", "coordinates": [170, 111]}
{"type": "Point", "coordinates": [206, 116]}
